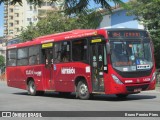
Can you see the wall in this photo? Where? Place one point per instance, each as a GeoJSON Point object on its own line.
{"type": "Point", "coordinates": [119, 19]}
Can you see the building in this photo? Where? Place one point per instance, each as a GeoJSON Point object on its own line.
{"type": "Point", "coordinates": [17, 17]}
{"type": "Point", "coordinates": [2, 47]}
{"type": "Point", "coordinates": [120, 19]}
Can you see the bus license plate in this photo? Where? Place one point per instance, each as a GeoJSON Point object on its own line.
{"type": "Point", "coordinates": [138, 90]}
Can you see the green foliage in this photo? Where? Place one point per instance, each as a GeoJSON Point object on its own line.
{"type": "Point", "coordinates": [2, 61]}
{"type": "Point", "coordinates": [73, 6]}
{"type": "Point", "coordinates": [148, 12]}
{"type": "Point", "coordinates": [56, 22]}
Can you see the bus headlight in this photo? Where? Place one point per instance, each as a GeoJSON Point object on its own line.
{"type": "Point", "coordinates": [153, 76]}
{"type": "Point", "coordinates": [116, 79]}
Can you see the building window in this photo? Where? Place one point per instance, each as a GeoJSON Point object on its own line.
{"type": "Point", "coordinates": [11, 17]}
{"type": "Point", "coordinates": [17, 14]}
{"type": "Point", "coordinates": [17, 22]}
{"type": "Point", "coordinates": [17, 29]}
{"type": "Point", "coordinates": [11, 24]}
{"type": "Point", "coordinates": [10, 31]}
{"type": "Point", "coordinates": [35, 8]}
{"type": "Point", "coordinates": [11, 10]}
{"type": "Point", "coordinates": [30, 8]}
{"type": "Point", "coordinates": [29, 19]}
{"type": "Point", "coordinates": [35, 19]}
{"type": "Point", "coordinates": [16, 7]}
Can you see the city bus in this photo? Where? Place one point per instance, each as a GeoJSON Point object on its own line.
{"type": "Point", "coordinates": [85, 62]}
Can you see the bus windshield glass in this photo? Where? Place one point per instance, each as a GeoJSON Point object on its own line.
{"type": "Point", "coordinates": [131, 55]}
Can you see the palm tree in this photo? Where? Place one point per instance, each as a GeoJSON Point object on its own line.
{"type": "Point", "coordinates": [73, 6]}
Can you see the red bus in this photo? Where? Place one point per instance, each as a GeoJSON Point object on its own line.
{"type": "Point", "coordinates": [104, 61]}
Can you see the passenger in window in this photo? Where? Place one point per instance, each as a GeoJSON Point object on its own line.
{"type": "Point", "coordinates": [37, 59]}
{"type": "Point", "coordinates": [31, 61]}
{"type": "Point", "coordinates": [65, 57]}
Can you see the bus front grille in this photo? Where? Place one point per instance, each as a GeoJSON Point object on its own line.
{"type": "Point", "coordinates": [132, 88]}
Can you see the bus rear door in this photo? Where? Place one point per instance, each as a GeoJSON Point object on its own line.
{"type": "Point", "coordinates": [48, 70]}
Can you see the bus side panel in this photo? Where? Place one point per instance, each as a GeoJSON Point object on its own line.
{"type": "Point", "coordinates": [48, 78]}
{"type": "Point", "coordinates": [17, 76]}
{"type": "Point", "coordinates": [11, 73]}
{"type": "Point", "coordinates": [35, 72]}
{"type": "Point", "coordinates": [65, 75]}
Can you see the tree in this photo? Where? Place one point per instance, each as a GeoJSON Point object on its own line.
{"type": "Point", "coordinates": [73, 6]}
{"type": "Point", "coordinates": [56, 22]}
{"type": "Point", "coordinates": [2, 61]}
{"type": "Point", "coordinates": [148, 12]}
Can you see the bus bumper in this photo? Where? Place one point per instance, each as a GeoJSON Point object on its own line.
{"type": "Point", "coordinates": [131, 88]}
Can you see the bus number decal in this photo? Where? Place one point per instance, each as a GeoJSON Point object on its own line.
{"type": "Point", "coordinates": [69, 70]}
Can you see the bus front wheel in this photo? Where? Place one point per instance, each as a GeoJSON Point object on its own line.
{"type": "Point", "coordinates": [82, 90]}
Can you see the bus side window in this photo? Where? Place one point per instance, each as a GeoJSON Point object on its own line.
{"type": "Point", "coordinates": [11, 57]}
{"type": "Point", "coordinates": [57, 53]}
{"type": "Point", "coordinates": [62, 52]}
{"type": "Point", "coordinates": [65, 52]}
{"type": "Point", "coordinates": [79, 50]}
{"type": "Point", "coordinates": [34, 55]}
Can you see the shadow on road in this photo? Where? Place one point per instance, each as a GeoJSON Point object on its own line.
{"type": "Point", "coordinates": [95, 97]}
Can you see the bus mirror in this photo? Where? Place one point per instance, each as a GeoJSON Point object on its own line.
{"type": "Point", "coordinates": [108, 48]}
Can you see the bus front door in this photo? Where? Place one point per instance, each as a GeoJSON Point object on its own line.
{"type": "Point", "coordinates": [49, 68]}
{"type": "Point", "coordinates": [97, 66]}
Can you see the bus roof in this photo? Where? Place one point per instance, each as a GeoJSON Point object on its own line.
{"type": "Point", "coordinates": [68, 36]}
{"type": "Point", "coordinates": [57, 37]}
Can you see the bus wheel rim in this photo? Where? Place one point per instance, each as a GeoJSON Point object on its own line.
{"type": "Point", "coordinates": [32, 88]}
{"type": "Point", "coordinates": [83, 89]}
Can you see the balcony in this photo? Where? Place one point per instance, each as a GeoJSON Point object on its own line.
{"type": "Point", "coordinates": [5, 24]}
{"type": "Point", "coordinates": [5, 15]}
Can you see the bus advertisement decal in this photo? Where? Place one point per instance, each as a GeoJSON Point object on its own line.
{"type": "Point", "coordinates": [68, 70]}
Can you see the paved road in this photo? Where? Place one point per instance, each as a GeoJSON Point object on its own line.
{"type": "Point", "coordinates": [12, 99]}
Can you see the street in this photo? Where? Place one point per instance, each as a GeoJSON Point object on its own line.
{"type": "Point", "coordinates": [13, 99]}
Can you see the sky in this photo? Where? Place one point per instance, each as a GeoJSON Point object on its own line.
{"type": "Point", "coordinates": [2, 16]}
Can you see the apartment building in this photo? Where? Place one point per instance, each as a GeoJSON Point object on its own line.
{"type": "Point", "coordinates": [17, 17]}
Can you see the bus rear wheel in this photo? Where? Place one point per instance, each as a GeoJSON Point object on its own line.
{"type": "Point", "coordinates": [82, 90]}
{"type": "Point", "coordinates": [32, 89]}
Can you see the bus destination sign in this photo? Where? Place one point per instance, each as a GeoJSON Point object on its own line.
{"type": "Point", "coordinates": [127, 34]}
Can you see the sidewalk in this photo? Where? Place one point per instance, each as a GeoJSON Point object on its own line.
{"type": "Point", "coordinates": [158, 89]}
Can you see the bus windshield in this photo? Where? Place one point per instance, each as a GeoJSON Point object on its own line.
{"type": "Point", "coordinates": [134, 55]}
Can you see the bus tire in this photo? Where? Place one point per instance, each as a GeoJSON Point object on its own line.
{"type": "Point", "coordinates": [40, 93]}
{"type": "Point", "coordinates": [32, 88]}
{"type": "Point", "coordinates": [64, 94]}
{"type": "Point", "coordinates": [82, 90]}
{"type": "Point", "coordinates": [121, 95]}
